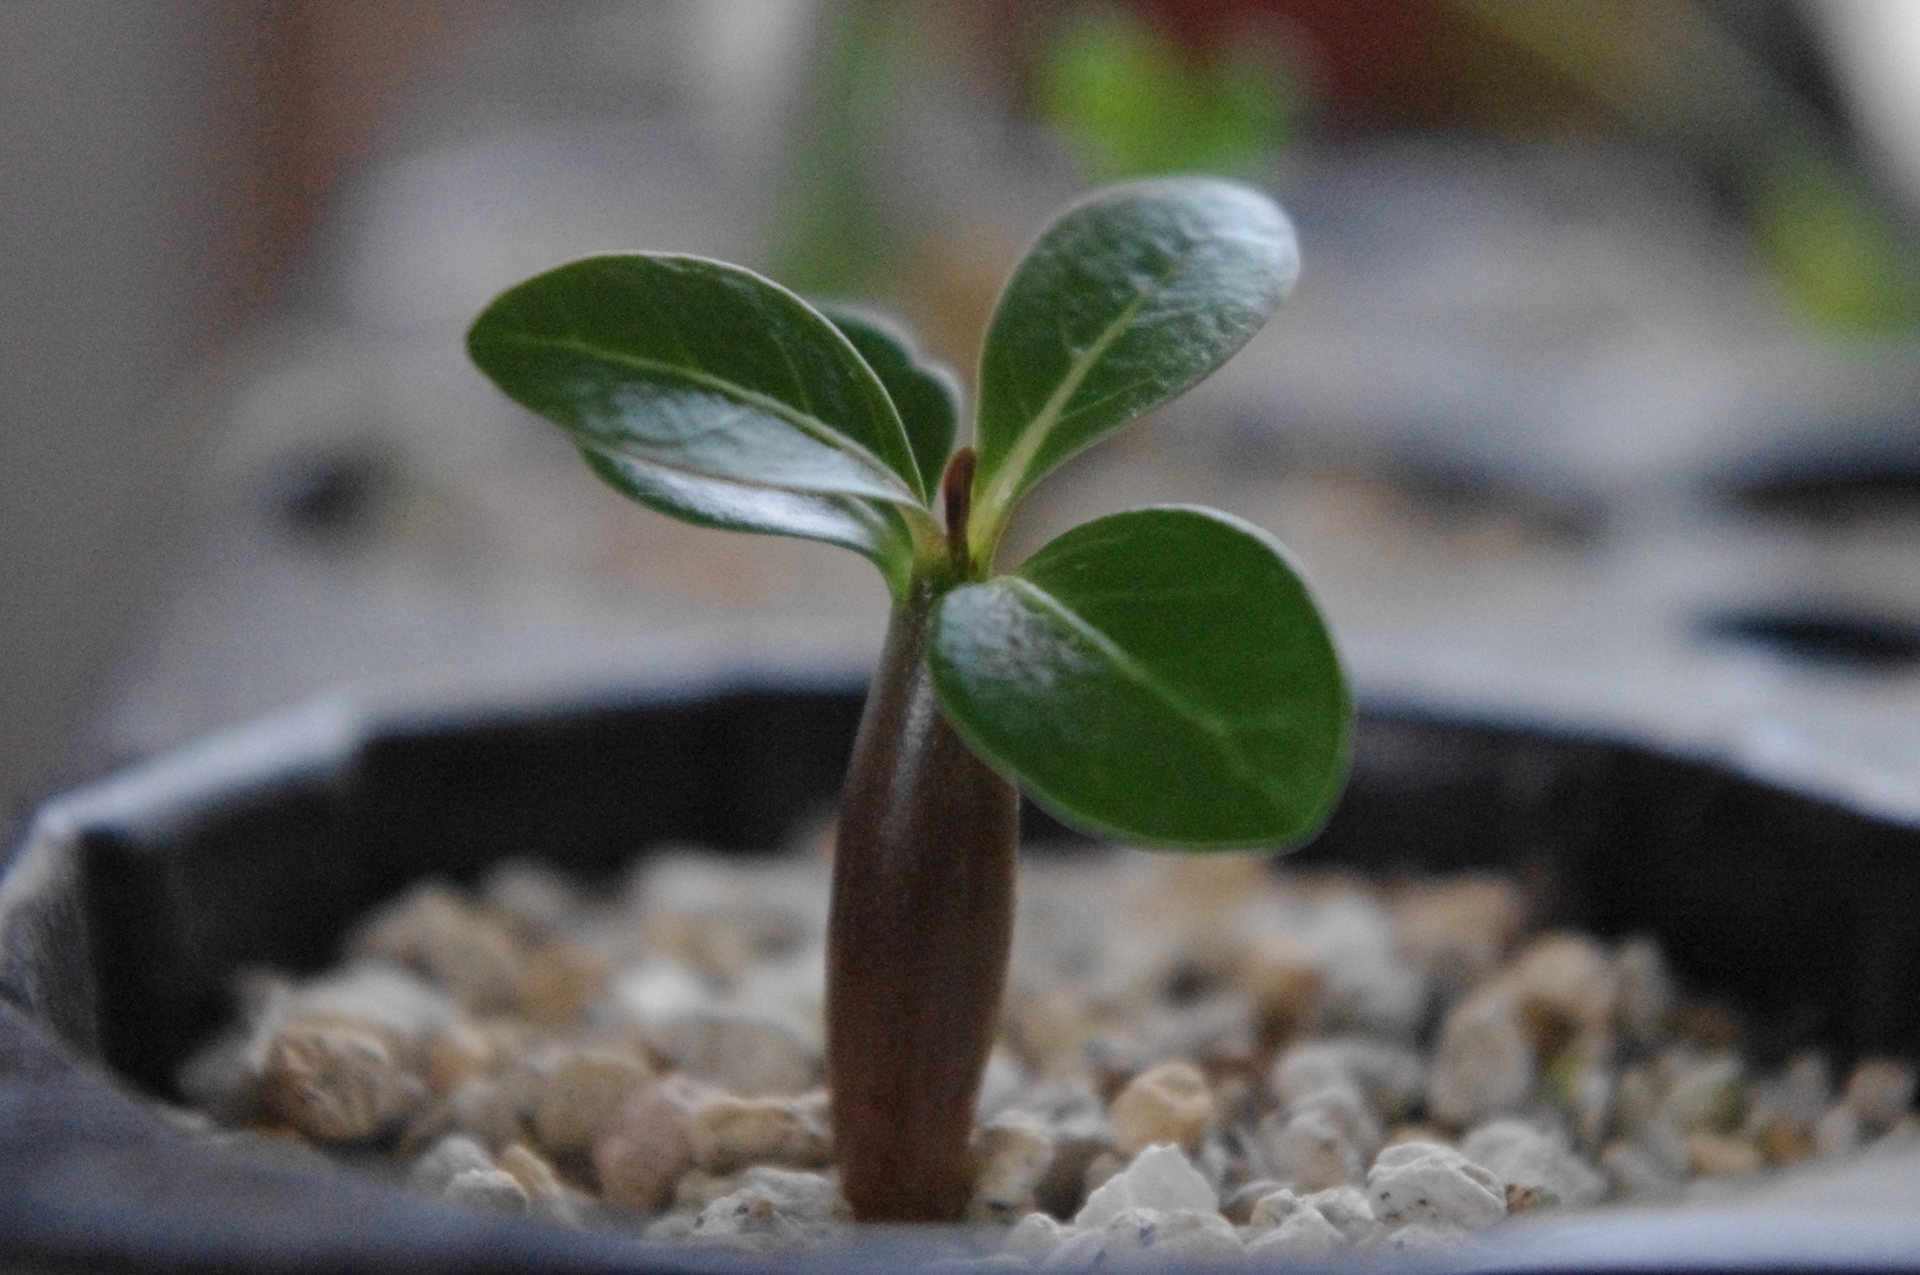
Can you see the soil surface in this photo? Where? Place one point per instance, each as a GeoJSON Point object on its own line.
{"type": "Point", "coordinates": [1200, 1058]}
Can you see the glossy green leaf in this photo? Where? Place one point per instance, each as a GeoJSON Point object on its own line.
{"type": "Point", "coordinates": [872, 528]}
{"type": "Point", "coordinates": [1161, 676]}
{"type": "Point", "coordinates": [1128, 299]}
{"type": "Point", "coordinates": [701, 368]}
{"type": "Point", "coordinates": [924, 390]}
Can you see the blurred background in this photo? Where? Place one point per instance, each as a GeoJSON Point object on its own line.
{"type": "Point", "coordinates": [1598, 404]}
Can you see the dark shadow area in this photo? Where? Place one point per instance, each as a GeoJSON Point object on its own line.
{"type": "Point", "coordinates": [1798, 912]}
{"type": "Point", "coordinates": [1872, 643]}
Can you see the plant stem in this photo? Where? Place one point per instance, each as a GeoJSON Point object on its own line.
{"type": "Point", "coordinates": [922, 917]}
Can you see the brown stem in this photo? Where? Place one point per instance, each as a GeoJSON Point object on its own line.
{"type": "Point", "coordinates": [922, 916]}
{"type": "Point", "coordinates": [956, 497]}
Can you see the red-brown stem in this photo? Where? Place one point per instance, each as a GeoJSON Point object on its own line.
{"type": "Point", "coordinates": [922, 916]}
{"type": "Point", "coordinates": [956, 497]}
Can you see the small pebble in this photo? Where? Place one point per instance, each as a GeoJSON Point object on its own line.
{"type": "Point", "coordinates": [549, 1200]}
{"type": "Point", "coordinates": [1034, 1237]}
{"type": "Point", "coordinates": [805, 1197]}
{"type": "Point", "coordinates": [1636, 1103]}
{"type": "Point", "coordinates": [1564, 984]}
{"type": "Point", "coordinates": [729, 1133]}
{"type": "Point", "coordinates": [535, 896]}
{"type": "Point", "coordinates": [1644, 991]}
{"type": "Point", "coordinates": [1537, 1164]}
{"type": "Point", "coordinates": [697, 1188]}
{"type": "Point", "coordinates": [1239, 1204]}
{"type": "Point", "coordinates": [336, 1082]}
{"type": "Point", "coordinates": [1351, 1113]}
{"type": "Point", "coordinates": [1708, 1097]}
{"type": "Point", "coordinates": [1433, 1185]}
{"type": "Point", "coordinates": [1169, 1103]}
{"type": "Point", "coordinates": [494, 1190]}
{"type": "Point", "coordinates": [1838, 1132]}
{"type": "Point", "coordinates": [1273, 1208]}
{"type": "Point", "coordinates": [1076, 1118]}
{"type": "Point", "coordinates": [1217, 1030]}
{"type": "Point", "coordinates": [446, 1160]}
{"type": "Point", "coordinates": [1381, 996]}
{"type": "Point", "coordinates": [1799, 1093]}
{"type": "Point", "coordinates": [672, 1228]}
{"type": "Point", "coordinates": [457, 1054]}
{"type": "Point", "coordinates": [1880, 1091]}
{"type": "Point", "coordinates": [1666, 1143]}
{"type": "Point", "coordinates": [1460, 929]}
{"type": "Point", "coordinates": [1421, 1237]}
{"type": "Point", "coordinates": [560, 982]}
{"type": "Point", "coordinates": [1714, 1155]}
{"type": "Point", "coordinates": [580, 1098]}
{"type": "Point", "coordinates": [647, 1144]}
{"type": "Point", "coordinates": [1080, 1250]}
{"type": "Point", "coordinates": [746, 1221]}
{"type": "Point", "coordinates": [750, 1054]}
{"type": "Point", "coordinates": [1304, 1233]}
{"type": "Point", "coordinates": [1285, 983]}
{"type": "Point", "coordinates": [1047, 1030]}
{"type": "Point", "coordinates": [1485, 1064]}
{"type": "Point", "coordinates": [1106, 1165]}
{"type": "Point", "coordinates": [396, 1003]}
{"type": "Point", "coordinates": [1310, 1150]}
{"type": "Point", "coordinates": [1159, 1178]}
{"type": "Point", "coordinates": [1350, 1211]}
{"type": "Point", "coordinates": [433, 928]}
{"type": "Point", "coordinates": [1582, 1079]}
{"type": "Point", "coordinates": [1635, 1173]}
{"type": "Point", "coordinates": [1391, 1077]}
{"type": "Point", "coordinates": [486, 1111]}
{"type": "Point", "coordinates": [1157, 1238]}
{"type": "Point", "coordinates": [1783, 1142]}
{"type": "Point", "coordinates": [1012, 1154]}
{"type": "Point", "coordinates": [773, 1210]}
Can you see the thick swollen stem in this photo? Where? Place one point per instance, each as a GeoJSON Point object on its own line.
{"type": "Point", "coordinates": [917, 943]}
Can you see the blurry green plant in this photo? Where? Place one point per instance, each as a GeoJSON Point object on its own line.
{"type": "Point", "coordinates": [1161, 675]}
{"type": "Point", "coordinates": [1839, 257]}
{"type": "Point", "coordinates": [834, 239]}
{"type": "Point", "coordinates": [1132, 102]}
{"type": "Point", "coordinates": [1844, 262]}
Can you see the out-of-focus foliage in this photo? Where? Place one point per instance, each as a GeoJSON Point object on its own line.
{"type": "Point", "coordinates": [1131, 101]}
{"type": "Point", "coordinates": [835, 242]}
{"type": "Point", "coordinates": [1835, 252]}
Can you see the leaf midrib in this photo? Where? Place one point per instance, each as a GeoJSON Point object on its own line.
{"type": "Point", "coordinates": [1041, 427]}
{"type": "Point", "coordinates": [1212, 724]}
{"type": "Point", "coordinates": [857, 508]}
{"type": "Point", "coordinates": [812, 426]}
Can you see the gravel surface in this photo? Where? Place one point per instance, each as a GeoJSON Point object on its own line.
{"type": "Point", "coordinates": [1200, 1058]}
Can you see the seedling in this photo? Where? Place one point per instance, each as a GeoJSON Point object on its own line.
{"type": "Point", "coordinates": [1160, 676]}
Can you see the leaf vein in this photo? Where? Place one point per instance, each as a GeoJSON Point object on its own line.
{"type": "Point", "coordinates": [812, 426]}
{"type": "Point", "coordinates": [1212, 724]}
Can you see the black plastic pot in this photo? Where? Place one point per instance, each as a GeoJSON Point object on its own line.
{"type": "Point", "coordinates": [130, 904]}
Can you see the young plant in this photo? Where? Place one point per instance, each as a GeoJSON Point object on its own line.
{"type": "Point", "coordinates": [1160, 676]}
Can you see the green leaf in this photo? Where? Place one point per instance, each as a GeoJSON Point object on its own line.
{"type": "Point", "coordinates": [1128, 299]}
{"type": "Point", "coordinates": [1161, 676]}
{"type": "Point", "coordinates": [701, 368]}
{"type": "Point", "coordinates": [871, 528]}
{"type": "Point", "coordinates": [925, 390]}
